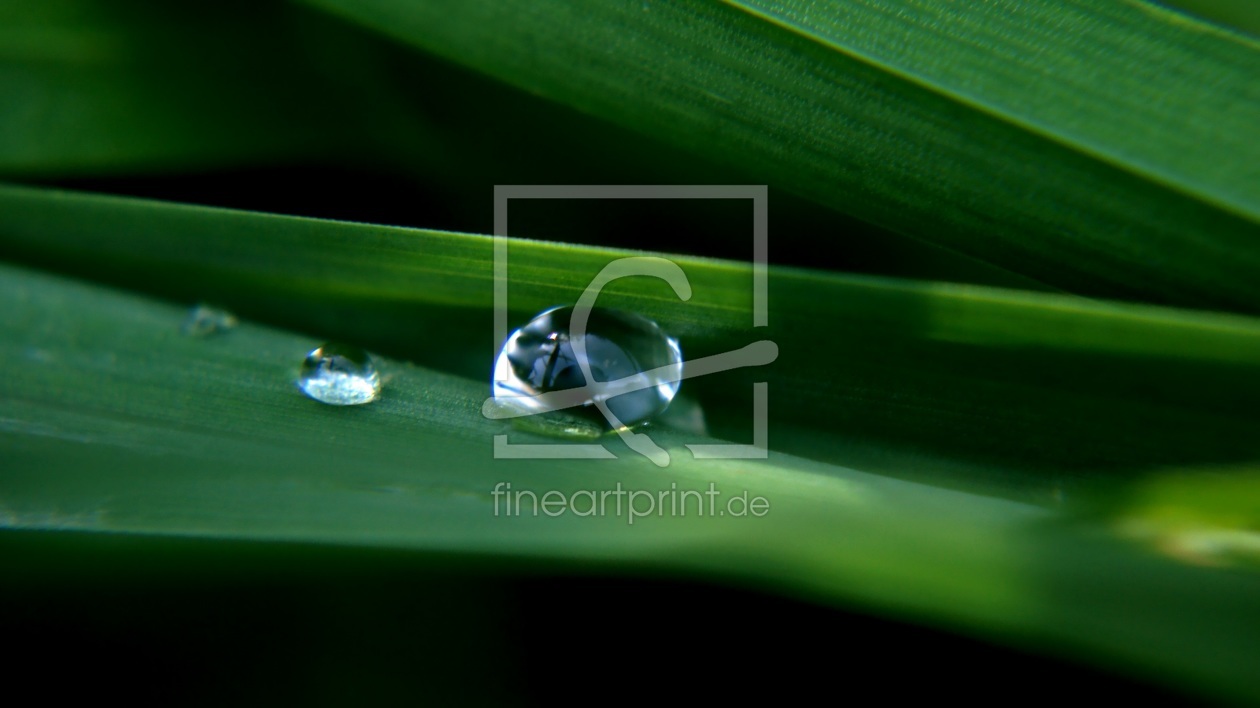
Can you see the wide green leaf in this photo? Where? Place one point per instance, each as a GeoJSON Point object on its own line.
{"type": "Point", "coordinates": [121, 423]}
{"type": "Point", "coordinates": [1078, 158]}
{"type": "Point", "coordinates": [1085, 88]}
{"type": "Point", "coordinates": [1032, 395]}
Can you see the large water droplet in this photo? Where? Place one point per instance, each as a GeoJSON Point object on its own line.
{"type": "Point", "coordinates": [540, 358]}
{"type": "Point", "coordinates": [339, 375]}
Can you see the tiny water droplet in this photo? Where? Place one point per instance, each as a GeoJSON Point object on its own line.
{"type": "Point", "coordinates": [540, 358]}
{"type": "Point", "coordinates": [204, 320]}
{"type": "Point", "coordinates": [339, 375]}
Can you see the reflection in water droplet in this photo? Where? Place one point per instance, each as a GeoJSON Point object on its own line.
{"type": "Point", "coordinates": [340, 375]}
{"type": "Point", "coordinates": [204, 320]}
{"type": "Point", "coordinates": [685, 414]}
{"type": "Point", "coordinates": [539, 358]}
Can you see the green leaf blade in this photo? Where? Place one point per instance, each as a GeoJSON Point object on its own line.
{"type": "Point", "coordinates": [121, 424]}
{"type": "Point", "coordinates": [1096, 77]}
{"type": "Point", "coordinates": [1016, 393]}
{"type": "Point", "coordinates": [858, 138]}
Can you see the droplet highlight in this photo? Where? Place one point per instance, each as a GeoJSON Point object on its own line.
{"type": "Point", "coordinates": [634, 371]}
{"type": "Point", "coordinates": [340, 375]}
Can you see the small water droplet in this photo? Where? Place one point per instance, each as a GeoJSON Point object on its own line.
{"type": "Point", "coordinates": [204, 320]}
{"type": "Point", "coordinates": [540, 358]}
{"type": "Point", "coordinates": [340, 375]}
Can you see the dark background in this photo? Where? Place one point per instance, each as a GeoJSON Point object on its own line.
{"type": "Point", "coordinates": [209, 623]}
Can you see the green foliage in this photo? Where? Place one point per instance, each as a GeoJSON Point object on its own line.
{"type": "Point", "coordinates": [1006, 463]}
{"type": "Point", "coordinates": [1051, 139]}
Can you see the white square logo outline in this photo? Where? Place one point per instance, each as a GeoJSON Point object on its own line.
{"type": "Point", "coordinates": [759, 449]}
